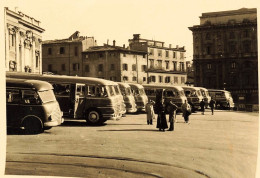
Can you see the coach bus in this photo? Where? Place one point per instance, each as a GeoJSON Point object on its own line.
{"type": "Point", "coordinates": [31, 105]}
{"type": "Point", "coordinates": [194, 96]}
{"type": "Point", "coordinates": [223, 98]}
{"type": "Point", "coordinates": [205, 94]}
{"type": "Point", "coordinates": [140, 97]}
{"type": "Point", "coordinates": [120, 97]}
{"type": "Point", "coordinates": [89, 98]}
{"type": "Point", "coordinates": [128, 97]}
{"type": "Point", "coordinates": [169, 92]}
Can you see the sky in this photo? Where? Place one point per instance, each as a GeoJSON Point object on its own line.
{"type": "Point", "coordinates": [162, 20]}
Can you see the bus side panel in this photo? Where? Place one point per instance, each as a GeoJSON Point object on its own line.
{"type": "Point", "coordinates": [13, 115]}
{"type": "Point", "coordinates": [65, 105]}
{"type": "Point", "coordinates": [81, 107]}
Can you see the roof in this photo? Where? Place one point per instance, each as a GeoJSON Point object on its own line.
{"type": "Point", "coordinates": [30, 84]}
{"type": "Point", "coordinates": [189, 87]}
{"type": "Point", "coordinates": [162, 86]}
{"type": "Point", "coordinates": [111, 48]}
{"type": "Point", "coordinates": [123, 84]}
{"type": "Point", "coordinates": [230, 12]}
{"type": "Point", "coordinates": [60, 78]}
{"type": "Point", "coordinates": [136, 85]}
{"type": "Point", "coordinates": [67, 40]}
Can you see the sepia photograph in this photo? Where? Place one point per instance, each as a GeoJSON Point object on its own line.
{"type": "Point", "coordinates": [129, 89]}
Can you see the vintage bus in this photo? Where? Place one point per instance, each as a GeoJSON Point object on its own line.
{"type": "Point", "coordinates": [205, 94]}
{"type": "Point", "coordinates": [175, 93]}
{"type": "Point", "coordinates": [128, 97]}
{"type": "Point", "coordinates": [87, 98]}
{"type": "Point", "coordinates": [120, 97]}
{"type": "Point", "coordinates": [31, 105]}
{"type": "Point", "coordinates": [223, 98]}
{"type": "Point", "coordinates": [140, 97]}
{"type": "Point", "coordinates": [194, 96]}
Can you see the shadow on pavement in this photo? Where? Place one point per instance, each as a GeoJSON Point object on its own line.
{"type": "Point", "coordinates": [79, 124]}
{"type": "Point", "coordinates": [146, 130]}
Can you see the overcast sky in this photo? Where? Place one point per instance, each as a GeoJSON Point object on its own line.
{"type": "Point", "coordinates": [162, 20]}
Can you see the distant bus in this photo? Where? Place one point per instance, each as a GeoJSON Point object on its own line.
{"type": "Point", "coordinates": [128, 97]}
{"type": "Point", "coordinates": [120, 99]}
{"type": "Point", "coordinates": [223, 98]}
{"type": "Point", "coordinates": [194, 96]}
{"type": "Point", "coordinates": [140, 97]}
{"type": "Point", "coordinates": [175, 93]}
{"type": "Point", "coordinates": [87, 98]}
{"type": "Point", "coordinates": [205, 94]}
{"type": "Point", "coordinates": [31, 105]}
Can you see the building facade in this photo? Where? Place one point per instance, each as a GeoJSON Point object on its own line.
{"type": "Point", "coordinates": [225, 53]}
{"type": "Point", "coordinates": [115, 63]}
{"type": "Point", "coordinates": [64, 56]}
{"type": "Point", "coordinates": [22, 42]}
{"type": "Point", "coordinates": [165, 65]}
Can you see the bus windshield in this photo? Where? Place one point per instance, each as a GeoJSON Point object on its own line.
{"type": "Point", "coordinates": [198, 93]}
{"type": "Point", "coordinates": [110, 90]}
{"type": "Point", "coordinates": [181, 93]}
{"type": "Point", "coordinates": [203, 93]}
{"type": "Point", "coordinates": [117, 90]}
{"type": "Point", "coordinates": [141, 91]}
{"type": "Point", "coordinates": [46, 96]}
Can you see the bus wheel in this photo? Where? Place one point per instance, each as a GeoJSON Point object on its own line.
{"type": "Point", "coordinates": [32, 126]}
{"type": "Point", "coordinates": [93, 117]}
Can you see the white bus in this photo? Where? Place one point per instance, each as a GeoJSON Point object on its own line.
{"type": "Point", "coordinates": [140, 97]}
{"type": "Point", "coordinates": [223, 98]}
{"type": "Point", "coordinates": [205, 94]}
{"type": "Point", "coordinates": [128, 97]}
{"type": "Point", "coordinates": [194, 96]}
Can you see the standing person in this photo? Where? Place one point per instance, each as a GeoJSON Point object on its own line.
{"type": "Point", "coordinates": [161, 119]}
{"type": "Point", "coordinates": [172, 108]}
{"type": "Point", "coordinates": [202, 106]}
{"type": "Point", "coordinates": [150, 112]}
{"type": "Point", "coordinates": [186, 111]}
{"type": "Point", "coordinates": [212, 105]}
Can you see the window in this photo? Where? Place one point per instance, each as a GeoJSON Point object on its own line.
{"type": "Point", "coordinates": [63, 67]}
{"type": "Point", "coordinates": [143, 68]}
{"type": "Point", "coordinates": [62, 50]}
{"type": "Point", "coordinates": [159, 63]}
{"type": "Point", "coordinates": [174, 55]}
{"type": "Point", "coordinates": [49, 51]}
{"type": "Point", "coordinates": [207, 36]}
{"type": "Point", "coordinates": [182, 55]}
{"type": "Point", "coordinates": [134, 67]}
{"type": "Point", "coordinates": [13, 39]}
{"type": "Point", "coordinates": [245, 33]}
{"type": "Point", "coordinates": [209, 66]}
{"type": "Point", "coordinates": [76, 51]}
{"type": "Point", "coordinates": [134, 78]}
{"type": "Point", "coordinates": [144, 55]}
{"type": "Point", "coordinates": [112, 67]}
{"type": "Point", "coordinates": [100, 67]}
{"type": "Point", "coordinates": [86, 56]}
{"type": "Point", "coordinates": [151, 63]}
{"type": "Point", "coordinates": [159, 52]}
{"type": "Point", "coordinates": [208, 50]}
{"type": "Point", "coordinates": [125, 78]}
{"type": "Point", "coordinates": [174, 65]}
{"type": "Point", "coordinates": [175, 79]}
{"type": "Point", "coordinates": [160, 79]}
{"type": "Point", "coordinates": [12, 96]}
{"type": "Point", "coordinates": [167, 54]}
{"type": "Point", "coordinates": [36, 61]}
{"type": "Point", "coordinates": [101, 55]}
{"type": "Point", "coordinates": [167, 64]}
{"type": "Point", "coordinates": [50, 68]}
{"type": "Point", "coordinates": [144, 79]}
{"type": "Point", "coordinates": [87, 68]}
{"type": "Point", "coordinates": [231, 35]}
{"type": "Point", "coordinates": [182, 79]}
{"type": "Point", "coordinates": [182, 66]}
{"type": "Point", "coordinates": [75, 66]}
{"type": "Point", "coordinates": [153, 79]}
{"type": "Point", "coordinates": [233, 65]}
{"type": "Point", "coordinates": [124, 54]}
{"type": "Point", "coordinates": [125, 67]}
{"type": "Point", "coordinates": [151, 52]}
{"type": "Point", "coordinates": [247, 46]}
{"type": "Point", "coordinates": [167, 79]}
{"type": "Point", "coordinates": [232, 47]}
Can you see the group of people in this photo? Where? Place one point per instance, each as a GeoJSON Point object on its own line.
{"type": "Point", "coordinates": [171, 108]}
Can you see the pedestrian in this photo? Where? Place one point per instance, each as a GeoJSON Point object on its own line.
{"type": "Point", "coordinates": [172, 108]}
{"type": "Point", "coordinates": [161, 119]}
{"type": "Point", "coordinates": [212, 105]}
{"type": "Point", "coordinates": [150, 112]}
{"type": "Point", "coordinates": [186, 111]}
{"type": "Point", "coordinates": [202, 106]}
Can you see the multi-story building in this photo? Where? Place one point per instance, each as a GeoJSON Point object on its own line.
{"type": "Point", "coordinates": [165, 65]}
{"type": "Point", "coordinates": [115, 63]}
{"type": "Point", "coordinates": [225, 53]}
{"type": "Point", "coordinates": [64, 56]}
{"type": "Point", "coordinates": [22, 42]}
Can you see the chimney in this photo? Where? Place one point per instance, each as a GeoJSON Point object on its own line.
{"type": "Point", "coordinates": [114, 42]}
{"type": "Point", "coordinates": [170, 45]}
{"type": "Point", "coordinates": [107, 41]}
{"type": "Point", "coordinates": [177, 46]}
{"type": "Point", "coordinates": [123, 45]}
{"type": "Point", "coordinates": [136, 36]}
{"type": "Point", "coordinates": [184, 47]}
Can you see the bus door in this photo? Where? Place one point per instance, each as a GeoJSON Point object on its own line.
{"type": "Point", "coordinates": [79, 100]}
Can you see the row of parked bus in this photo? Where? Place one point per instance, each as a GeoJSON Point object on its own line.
{"type": "Point", "coordinates": [31, 98]}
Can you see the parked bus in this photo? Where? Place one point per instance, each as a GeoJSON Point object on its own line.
{"type": "Point", "coordinates": [205, 94]}
{"type": "Point", "coordinates": [128, 97]}
{"type": "Point", "coordinates": [140, 97]}
{"type": "Point", "coordinates": [194, 96]}
{"type": "Point", "coordinates": [175, 93]}
{"type": "Point", "coordinates": [31, 105]}
{"type": "Point", "coordinates": [120, 99]}
{"type": "Point", "coordinates": [223, 98]}
{"type": "Point", "coordinates": [89, 98]}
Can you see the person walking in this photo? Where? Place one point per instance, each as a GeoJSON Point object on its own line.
{"type": "Point", "coordinates": [161, 119]}
{"type": "Point", "coordinates": [202, 106]}
{"type": "Point", "coordinates": [172, 108]}
{"type": "Point", "coordinates": [150, 112]}
{"type": "Point", "coordinates": [212, 105]}
{"type": "Point", "coordinates": [186, 111]}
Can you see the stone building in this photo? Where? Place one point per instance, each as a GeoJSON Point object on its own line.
{"type": "Point", "coordinates": [165, 65]}
{"type": "Point", "coordinates": [64, 56]}
{"type": "Point", "coordinates": [225, 53]}
{"type": "Point", "coordinates": [115, 63]}
{"type": "Point", "coordinates": [23, 40]}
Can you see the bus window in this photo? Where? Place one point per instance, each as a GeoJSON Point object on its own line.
{"type": "Point", "coordinates": [117, 90]}
{"type": "Point", "coordinates": [169, 93]}
{"type": "Point", "coordinates": [12, 96]}
{"type": "Point", "coordinates": [101, 91]}
{"type": "Point", "coordinates": [91, 90]}
{"type": "Point", "coordinates": [80, 90]}
{"type": "Point", "coordinates": [110, 90]}
{"type": "Point", "coordinates": [61, 89]}
{"type": "Point", "coordinates": [47, 96]}
{"type": "Point", "coordinates": [30, 97]}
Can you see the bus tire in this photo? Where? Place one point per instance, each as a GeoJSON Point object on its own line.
{"type": "Point", "coordinates": [32, 125]}
{"type": "Point", "coordinates": [94, 117]}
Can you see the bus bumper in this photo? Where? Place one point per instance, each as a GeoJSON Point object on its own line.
{"type": "Point", "coordinates": [53, 123]}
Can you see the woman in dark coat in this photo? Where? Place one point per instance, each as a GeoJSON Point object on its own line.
{"type": "Point", "coordinates": [161, 119]}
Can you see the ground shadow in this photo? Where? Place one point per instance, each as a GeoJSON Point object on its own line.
{"type": "Point", "coordinates": [80, 124]}
{"type": "Point", "coordinates": [126, 130]}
